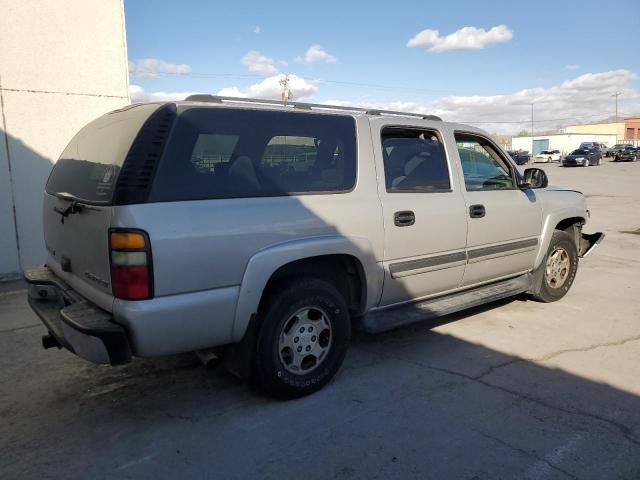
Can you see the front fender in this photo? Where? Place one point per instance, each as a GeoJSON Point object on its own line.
{"type": "Point", "coordinates": [550, 223]}
{"type": "Point", "coordinates": [265, 262]}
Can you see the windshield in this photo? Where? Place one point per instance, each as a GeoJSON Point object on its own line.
{"type": "Point", "coordinates": [580, 151]}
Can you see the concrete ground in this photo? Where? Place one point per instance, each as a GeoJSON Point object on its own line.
{"type": "Point", "coordinates": [516, 390]}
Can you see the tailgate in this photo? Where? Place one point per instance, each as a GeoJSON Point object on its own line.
{"type": "Point", "coordinates": [78, 243]}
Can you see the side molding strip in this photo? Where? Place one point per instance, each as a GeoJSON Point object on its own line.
{"type": "Point", "coordinates": [439, 262]}
{"type": "Point", "coordinates": [449, 260]}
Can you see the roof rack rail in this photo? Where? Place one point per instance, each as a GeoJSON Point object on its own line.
{"type": "Point", "coordinates": [304, 106]}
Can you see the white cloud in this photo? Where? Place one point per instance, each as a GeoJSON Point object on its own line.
{"type": "Point", "coordinates": [572, 66]}
{"type": "Point", "coordinates": [467, 38]}
{"type": "Point", "coordinates": [585, 98]}
{"type": "Point", "coordinates": [581, 100]}
{"type": "Point", "coordinates": [270, 88]}
{"type": "Point", "coordinates": [258, 63]}
{"type": "Point", "coordinates": [140, 95]}
{"type": "Point", "coordinates": [317, 54]}
{"type": "Point", "coordinates": [153, 68]}
{"type": "Point", "coordinates": [257, 29]}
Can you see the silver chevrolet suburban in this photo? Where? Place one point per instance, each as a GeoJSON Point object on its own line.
{"type": "Point", "coordinates": [265, 231]}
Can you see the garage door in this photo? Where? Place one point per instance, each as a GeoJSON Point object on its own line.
{"type": "Point", "coordinates": [540, 145]}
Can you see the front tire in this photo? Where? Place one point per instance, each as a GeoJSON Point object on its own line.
{"type": "Point", "coordinates": [558, 268]}
{"type": "Point", "coordinates": [303, 338]}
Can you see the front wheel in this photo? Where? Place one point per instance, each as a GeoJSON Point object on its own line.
{"type": "Point", "coordinates": [303, 337]}
{"type": "Point", "coordinates": [558, 268]}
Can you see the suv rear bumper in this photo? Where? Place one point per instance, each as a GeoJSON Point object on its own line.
{"type": "Point", "coordinates": [75, 323]}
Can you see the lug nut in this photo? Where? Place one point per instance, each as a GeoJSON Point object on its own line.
{"type": "Point", "coordinates": [308, 348]}
{"type": "Point", "coordinates": [296, 340]}
{"type": "Point", "coordinates": [299, 349]}
{"type": "Point", "coordinates": [313, 339]}
{"type": "Point", "coordinates": [311, 329]}
{"type": "Point", "coordinates": [301, 329]}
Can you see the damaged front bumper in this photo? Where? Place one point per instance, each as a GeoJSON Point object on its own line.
{"type": "Point", "coordinates": [588, 242]}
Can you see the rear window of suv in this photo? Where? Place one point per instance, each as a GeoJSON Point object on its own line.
{"type": "Point", "coordinates": [235, 153]}
{"type": "Point", "coordinates": [89, 166]}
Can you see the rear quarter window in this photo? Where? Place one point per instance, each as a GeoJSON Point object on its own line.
{"type": "Point", "coordinates": [236, 153]}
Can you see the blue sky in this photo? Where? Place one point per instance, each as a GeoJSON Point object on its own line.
{"type": "Point", "coordinates": [537, 47]}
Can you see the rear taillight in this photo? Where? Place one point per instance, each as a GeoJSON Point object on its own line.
{"type": "Point", "coordinates": [131, 274]}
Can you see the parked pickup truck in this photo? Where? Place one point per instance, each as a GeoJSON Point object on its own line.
{"type": "Point", "coordinates": [266, 231]}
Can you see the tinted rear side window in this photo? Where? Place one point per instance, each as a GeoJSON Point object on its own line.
{"type": "Point", "coordinates": [414, 161]}
{"type": "Point", "coordinates": [232, 153]}
{"type": "Point", "coordinates": [89, 166]}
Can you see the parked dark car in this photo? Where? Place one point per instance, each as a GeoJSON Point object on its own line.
{"type": "Point", "coordinates": [582, 157]}
{"type": "Point", "coordinates": [617, 148]}
{"type": "Point", "coordinates": [521, 157]}
{"type": "Point", "coordinates": [628, 154]}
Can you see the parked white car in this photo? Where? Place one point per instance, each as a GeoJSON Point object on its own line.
{"type": "Point", "coordinates": [548, 156]}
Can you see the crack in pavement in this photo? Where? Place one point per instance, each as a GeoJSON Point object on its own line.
{"type": "Point", "coordinates": [586, 349]}
{"type": "Point", "coordinates": [555, 354]}
{"type": "Point", "coordinates": [626, 432]}
{"type": "Point", "coordinates": [527, 453]}
{"type": "Point", "coordinates": [15, 329]}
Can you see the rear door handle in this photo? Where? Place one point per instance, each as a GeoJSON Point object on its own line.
{"type": "Point", "coordinates": [476, 211]}
{"type": "Point", "coordinates": [405, 218]}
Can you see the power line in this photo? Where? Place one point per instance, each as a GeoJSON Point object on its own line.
{"type": "Point", "coordinates": [151, 73]}
{"type": "Point", "coordinates": [573, 117]}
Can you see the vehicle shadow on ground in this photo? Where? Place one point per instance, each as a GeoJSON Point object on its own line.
{"type": "Point", "coordinates": [409, 403]}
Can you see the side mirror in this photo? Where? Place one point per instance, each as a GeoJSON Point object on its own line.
{"type": "Point", "coordinates": [534, 178]}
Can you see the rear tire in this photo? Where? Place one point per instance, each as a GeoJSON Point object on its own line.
{"type": "Point", "coordinates": [303, 337]}
{"type": "Point", "coordinates": [559, 268]}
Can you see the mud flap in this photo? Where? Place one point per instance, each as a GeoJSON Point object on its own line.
{"type": "Point", "coordinates": [588, 242]}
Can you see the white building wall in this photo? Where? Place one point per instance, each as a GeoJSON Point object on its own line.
{"type": "Point", "coordinates": [62, 63]}
{"type": "Point", "coordinates": [563, 142]}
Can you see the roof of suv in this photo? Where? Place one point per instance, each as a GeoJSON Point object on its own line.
{"type": "Point", "coordinates": [212, 100]}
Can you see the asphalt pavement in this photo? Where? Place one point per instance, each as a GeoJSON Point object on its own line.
{"type": "Point", "coordinates": [518, 389]}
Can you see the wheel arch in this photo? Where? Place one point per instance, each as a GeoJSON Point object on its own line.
{"type": "Point", "coordinates": [565, 219]}
{"type": "Point", "coordinates": [322, 257]}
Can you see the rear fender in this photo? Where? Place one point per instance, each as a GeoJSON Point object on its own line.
{"type": "Point", "coordinates": [264, 263]}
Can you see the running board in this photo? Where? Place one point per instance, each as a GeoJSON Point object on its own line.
{"type": "Point", "coordinates": [394, 317]}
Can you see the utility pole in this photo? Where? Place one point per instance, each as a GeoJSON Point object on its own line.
{"type": "Point", "coordinates": [617, 94]}
{"type": "Point", "coordinates": [286, 89]}
{"type": "Point", "coordinates": [531, 155]}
